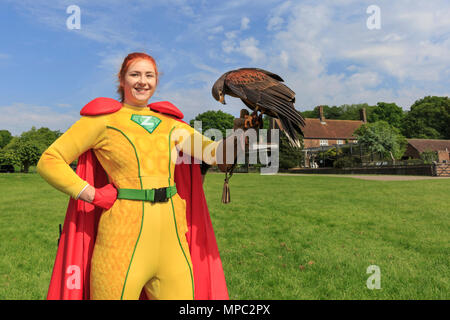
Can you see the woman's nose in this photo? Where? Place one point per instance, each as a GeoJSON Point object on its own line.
{"type": "Point", "coordinates": [142, 80]}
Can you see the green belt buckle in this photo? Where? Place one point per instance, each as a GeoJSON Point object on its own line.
{"type": "Point", "coordinates": [149, 195]}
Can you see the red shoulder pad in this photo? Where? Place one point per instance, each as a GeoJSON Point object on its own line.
{"type": "Point", "coordinates": [167, 108]}
{"type": "Point", "coordinates": [100, 106]}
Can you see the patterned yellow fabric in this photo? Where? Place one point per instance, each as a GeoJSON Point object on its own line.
{"type": "Point", "coordinates": [139, 244]}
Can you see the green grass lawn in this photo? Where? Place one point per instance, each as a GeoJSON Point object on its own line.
{"type": "Point", "coordinates": [281, 237]}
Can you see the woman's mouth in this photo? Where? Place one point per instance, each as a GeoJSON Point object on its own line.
{"type": "Point", "coordinates": [141, 90]}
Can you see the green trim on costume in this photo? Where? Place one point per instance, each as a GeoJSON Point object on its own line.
{"type": "Point", "coordinates": [142, 220]}
{"type": "Point", "coordinates": [175, 220]}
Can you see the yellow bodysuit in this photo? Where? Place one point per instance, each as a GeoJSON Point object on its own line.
{"type": "Point", "coordinates": [140, 244]}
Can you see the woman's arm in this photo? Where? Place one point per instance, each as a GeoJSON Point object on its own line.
{"type": "Point", "coordinates": [221, 153]}
{"type": "Point", "coordinates": [87, 133]}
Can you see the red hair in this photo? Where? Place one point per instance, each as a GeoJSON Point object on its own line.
{"type": "Point", "coordinates": [126, 64]}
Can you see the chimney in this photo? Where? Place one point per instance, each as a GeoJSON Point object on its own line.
{"type": "Point", "coordinates": [321, 115]}
{"type": "Point", "coordinates": [362, 115]}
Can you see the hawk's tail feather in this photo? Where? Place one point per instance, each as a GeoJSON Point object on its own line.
{"type": "Point", "coordinates": [290, 133]}
{"type": "Point", "coordinates": [284, 108]}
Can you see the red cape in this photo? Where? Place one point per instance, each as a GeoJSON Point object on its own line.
{"type": "Point", "coordinates": [71, 272]}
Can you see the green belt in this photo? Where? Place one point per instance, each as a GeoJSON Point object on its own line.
{"type": "Point", "coordinates": [152, 195]}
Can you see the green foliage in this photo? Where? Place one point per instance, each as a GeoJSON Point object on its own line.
{"type": "Point", "coordinates": [5, 138]}
{"type": "Point", "coordinates": [8, 157]}
{"type": "Point", "coordinates": [41, 138]}
{"type": "Point", "coordinates": [429, 156]}
{"type": "Point", "coordinates": [289, 157]}
{"type": "Point", "coordinates": [388, 112]}
{"type": "Point", "coordinates": [214, 120]}
{"type": "Point", "coordinates": [351, 112]}
{"type": "Point", "coordinates": [347, 162]}
{"type": "Point", "coordinates": [26, 150]}
{"type": "Point", "coordinates": [381, 137]}
{"type": "Point", "coordinates": [27, 154]}
{"type": "Point", "coordinates": [429, 118]}
{"type": "Point", "coordinates": [343, 112]}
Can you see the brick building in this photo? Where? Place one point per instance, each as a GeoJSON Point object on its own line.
{"type": "Point", "coordinates": [416, 146]}
{"type": "Point", "coordinates": [326, 132]}
{"type": "Point", "coordinates": [321, 134]}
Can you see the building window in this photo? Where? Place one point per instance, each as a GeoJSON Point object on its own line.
{"type": "Point", "coordinates": [340, 142]}
{"type": "Point", "coordinates": [323, 142]}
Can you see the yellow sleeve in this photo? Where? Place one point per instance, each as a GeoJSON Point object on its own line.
{"type": "Point", "coordinates": [190, 141]}
{"type": "Point", "coordinates": [87, 133]}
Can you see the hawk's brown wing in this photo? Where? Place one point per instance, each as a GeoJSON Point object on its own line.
{"type": "Point", "coordinates": [263, 89]}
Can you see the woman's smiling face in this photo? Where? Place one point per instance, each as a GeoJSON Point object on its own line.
{"type": "Point", "coordinates": [139, 83]}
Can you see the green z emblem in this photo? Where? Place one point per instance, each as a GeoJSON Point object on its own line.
{"type": "Point", "coordinates": [149, 123]}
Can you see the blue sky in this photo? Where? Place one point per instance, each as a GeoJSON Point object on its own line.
{"type": "Point", "coordinates": [323, 49]}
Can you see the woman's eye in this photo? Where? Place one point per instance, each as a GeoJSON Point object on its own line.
{"type": "Point", "coordinates": [150, 76]}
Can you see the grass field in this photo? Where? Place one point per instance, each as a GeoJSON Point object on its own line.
{"type": "Point", "coordinates": [281, 237]}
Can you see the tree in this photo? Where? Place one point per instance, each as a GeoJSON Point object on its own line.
{"type": "Point", "coordinates": [428, 118]}
{"type": "Point", "coordinates": [26, 154]}
{"type": "Point", "coordinates": [289, 156]}
{"type": "Point", "coordinates": [381, 137]}
{"type": "Point", "coordinates": [5, 138]}
{"type": "Point", "coordinates": [329, 112]}
{"type": "Point", "coordinates": [343, 112]}
{"type": "Point", "coordinates": [26, 150]}
{"type": "Point", "coordinates": [215, 120]}
{"type": "Point", "coordinates": [351, 112]}
{"type": "Point", "coordinates": [388, 112]}
{"type": "Point", "coordinates": [42, 137]}
{"type": "Point", "coordinates": [7, 157]}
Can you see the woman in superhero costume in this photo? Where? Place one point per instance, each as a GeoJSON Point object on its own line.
{"type": "Point", "coordinates": [140, 249]}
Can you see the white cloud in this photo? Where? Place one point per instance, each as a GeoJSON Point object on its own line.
{"type": "Point", "coordinates": [245, 21]}
{"type": "Point", "coordinates": [247, 47]}
{"type": "Point", "coordinates": [410, 51]}
{"type": "Point", "coordinates": [20, 117]}
{"type": "Point", "coordinates": [193, 101]}
{"type": "Point", "coordinates": [231, 34]}
{"type": "Point", "coordinates": [275, 18]}
{"type": "Point", "coordinates": [217, 29]}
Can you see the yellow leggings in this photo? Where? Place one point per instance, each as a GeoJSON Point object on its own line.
{"type": "Point", "coordinates": [142, 245]}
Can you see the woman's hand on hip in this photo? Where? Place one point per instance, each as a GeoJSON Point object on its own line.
{"type": "Point", "coordinates": [87, 194]}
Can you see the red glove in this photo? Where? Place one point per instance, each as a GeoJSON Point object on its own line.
{"type": "Point", "coordinates": [105, 196]}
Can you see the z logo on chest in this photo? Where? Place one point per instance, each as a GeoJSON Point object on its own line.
{"type": "Point", "coordinates": [149, 123]}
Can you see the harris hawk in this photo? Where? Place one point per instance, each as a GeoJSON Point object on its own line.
{"type": "Point", "coordinates": [262, 91]}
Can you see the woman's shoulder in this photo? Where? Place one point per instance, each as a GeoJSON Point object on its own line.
{"type": "Point", "coordinates": [101, 106]}
{"type": "Point", "coordinates": [166, 108]}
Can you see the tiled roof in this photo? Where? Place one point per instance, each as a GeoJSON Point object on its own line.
{"type": "Point", "coordinates": [331, 129]}
{"type": "Point", "coordinates": [422, 145]}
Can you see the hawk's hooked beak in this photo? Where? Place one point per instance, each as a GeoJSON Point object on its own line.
{"type": "Point", "coordinates": [222, 99]}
